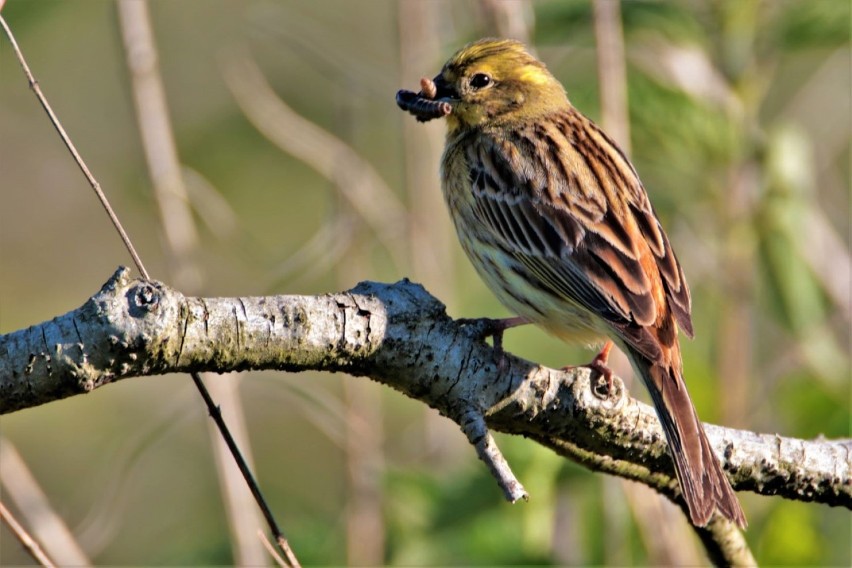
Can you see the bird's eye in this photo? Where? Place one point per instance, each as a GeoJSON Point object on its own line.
{"type": "Point", "coordinates": [480, 81]}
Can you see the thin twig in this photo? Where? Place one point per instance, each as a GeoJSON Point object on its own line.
{"type": "Point", "coordinates": [270, 549]}
{"type": "Point", "coordinates": [71, 148]}
{"type": "Point", "coordinates": [29, 543]}
{"type": "Point", "coordinates": [216, 415]}
{"type": "Point", "coordinates": [213, 409]}
{"type": "Point", "coordinates": [23, 490]}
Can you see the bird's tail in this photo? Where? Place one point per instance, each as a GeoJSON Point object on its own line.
{"type": "Point", "coordinates": [705, 486]}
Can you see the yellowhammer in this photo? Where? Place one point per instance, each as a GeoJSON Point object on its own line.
{"type": "Point", "coordinates": [555, 220]}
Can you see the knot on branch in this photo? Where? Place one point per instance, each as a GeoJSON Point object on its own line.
{"type": "Point", "coordinates": [143, 298]}
{"type": "Point", "coordinates": [137, 317]}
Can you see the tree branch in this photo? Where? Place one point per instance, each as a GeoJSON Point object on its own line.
{"type": "Point", "coordinates": [398, 335]}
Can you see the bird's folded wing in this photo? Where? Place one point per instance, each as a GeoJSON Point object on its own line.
{"type": "Point", "coordinates": [579, 250]}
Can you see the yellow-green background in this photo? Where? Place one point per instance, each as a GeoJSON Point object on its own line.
{"type": "Point", "coordinates": [129, 467]}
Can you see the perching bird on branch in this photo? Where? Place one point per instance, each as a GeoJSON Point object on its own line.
{"type": "Point", "coordinates": [556, 221]}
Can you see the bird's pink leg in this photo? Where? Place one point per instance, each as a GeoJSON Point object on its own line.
{"type": "Point", "coordinates": [599, 365]}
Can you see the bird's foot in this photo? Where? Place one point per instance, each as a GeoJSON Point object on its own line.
{"type": "Point", "coordinates": [602, 383]}
{"type": "Point", "coordinates": [494, 328]}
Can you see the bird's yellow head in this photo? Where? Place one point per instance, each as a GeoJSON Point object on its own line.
{"type": "Point", "coordinates": [496, 81]}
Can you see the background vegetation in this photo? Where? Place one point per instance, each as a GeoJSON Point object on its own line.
{"type": "Point", "coordinates": [740, 128]}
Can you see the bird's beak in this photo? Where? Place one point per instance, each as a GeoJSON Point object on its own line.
{"type": "Point", "coordinates": [444, 89]}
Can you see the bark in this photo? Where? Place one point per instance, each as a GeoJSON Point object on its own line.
{"type": "Point", "coordinates": [398, 335]}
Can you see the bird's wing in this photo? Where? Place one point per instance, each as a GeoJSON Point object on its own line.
{"type": "Point", "coordinates": [560, 216]}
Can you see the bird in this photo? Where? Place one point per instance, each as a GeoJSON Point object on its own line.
{"type": "Point", "coordinates": [555, 220]}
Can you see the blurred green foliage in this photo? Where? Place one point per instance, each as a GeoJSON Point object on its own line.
{"type": "Point", "coordinates": [740, 114]}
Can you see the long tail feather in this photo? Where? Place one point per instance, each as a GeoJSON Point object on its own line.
{"type": "Point", "coordinates": [705, 486]}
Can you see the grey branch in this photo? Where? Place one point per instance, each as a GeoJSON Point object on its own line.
{"type": "Point", "coordinates": [398, 335]}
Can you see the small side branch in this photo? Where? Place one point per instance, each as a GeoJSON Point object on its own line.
{"type": "Point", "coordinates": [473, 425]}
{"type": "Point", "coordinates": [28, 542]}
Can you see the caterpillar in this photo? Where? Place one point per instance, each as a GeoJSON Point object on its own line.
{"type": "Point", "coordinates": [421, 104]}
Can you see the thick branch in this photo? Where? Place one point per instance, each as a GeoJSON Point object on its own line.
{"type": "Point", "coordinates": [401, 336]}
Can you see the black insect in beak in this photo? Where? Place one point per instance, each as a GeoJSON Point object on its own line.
{"type": "Point", "coordinates": [430, 102]}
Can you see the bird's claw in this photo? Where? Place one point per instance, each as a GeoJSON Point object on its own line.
{"type": "Point", "coordinates": [602, 387]}
{"type": "Point", "coordinates": [494, 328]}
{"type": "Point", "coordinates": [602, 383]}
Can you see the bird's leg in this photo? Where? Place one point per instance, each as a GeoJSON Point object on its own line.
{"type": "Point", "coordinates": [494, 328]}
{"type": "Point", "coordinates": [599, 365]}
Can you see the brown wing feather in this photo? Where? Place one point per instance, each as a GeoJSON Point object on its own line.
{"type": "Point", "coordinates": [677, 290]}
{"type": "Point", "coordinates": [570, 222]}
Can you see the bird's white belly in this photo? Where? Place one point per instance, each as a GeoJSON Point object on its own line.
{"type": "Point", "coordinates": [510, 282]}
